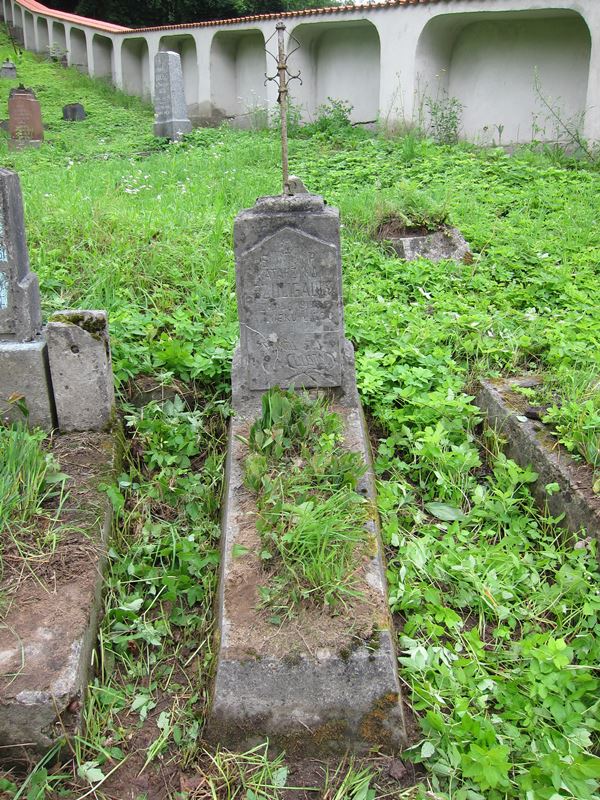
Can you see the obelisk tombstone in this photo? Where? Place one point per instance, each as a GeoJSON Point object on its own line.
{"type": "Point", "coordinates": [171, 117]}
{"type": "Point", "coordinates": [24, 371]}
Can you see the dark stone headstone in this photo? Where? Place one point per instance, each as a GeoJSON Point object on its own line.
{"type": "Point", "coordinates": [24, 118]}
{"type": "Point", "coordinates": [8, 70]}
{"type": "Point", "coordinates": [74, 112]}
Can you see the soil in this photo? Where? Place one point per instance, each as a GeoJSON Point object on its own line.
{"type": "Point", "coordinates": [310, 628]}
{"type": "Point", "coordinates": [396, 229]}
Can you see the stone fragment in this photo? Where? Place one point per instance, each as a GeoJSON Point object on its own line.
{"type": "Point", "coordinates": [24, 119]}
{"type": "Point", "coordinates": [8, 70]}
{"type": "Point", "coordinates": [74, 112]}
{"type": "Point", "coordinates": [437, 246]}
{"type": "Point", "coordinates": [24, 374]}
{"type": "Point", "coordinates": [81, 369]}
{"type": "Point", "coordinates": [171, 117]}
{"type": "Point", "coordinates": [289, 292]}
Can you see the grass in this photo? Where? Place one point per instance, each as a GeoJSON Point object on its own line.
{"type": "Point", "coordinates": [311, 519]}
{"type": "Point", "coordinates": [497, 613]}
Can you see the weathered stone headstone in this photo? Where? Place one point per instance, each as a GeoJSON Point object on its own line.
{"type": "Point", "coordinates": [24, 119]}
{"type": "Point", "coordinates": [289, 289]}
{"type": "Point", "coordinates": [8, 70]}
{"type": "Point", "coordinates": [73, 112]}
{"type": "Point", "coordinates": [317, 684]}
{"type": "Point", "coordinates": [24, 370]}
{"type": "Point", "coordinates": [171, 117]}
{"type": "Point", "coordinates": [80, 363]}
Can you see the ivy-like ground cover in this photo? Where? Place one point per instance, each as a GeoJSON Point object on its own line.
{"type": "Point", "coordinates": [497, 612]}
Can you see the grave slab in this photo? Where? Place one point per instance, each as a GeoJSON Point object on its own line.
{"type": "Point", "coordinates": [48, 634]}
{"type": "Point", "coordinates": [316, 684]}
{"type": "Point", "coordinates": [530, 443]}
{"type": "Point", "coordinates": [81, 370]}
{"type": "Point", "coordinates": [171, 117]}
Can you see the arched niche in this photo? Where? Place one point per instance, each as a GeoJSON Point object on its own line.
{"type": "Point", "coordinates": [18, 24]}
{"type": "Point", "coordinates": [29, 30]}
{"type": "Point", "coordinates": [505, 69]}
{"type": "Point", "coordinates": [58, 43]}
{"type": "Point", "coordinates": [78, 50]}
{"type": "Point", "coordinates": [237, 76]}
{"type": "Point", "coordinates": [102, 50]}
{"type": "Point", "coordinates": [43, 38]}
{"type": "Point", "coordinates": [8, 15]}
{"type": "Point", "coordinates": [136, 67]}
{"type": "Point", "coordinates": [186, 47]}
{"type": "Point", "coordinates": [338, 60]}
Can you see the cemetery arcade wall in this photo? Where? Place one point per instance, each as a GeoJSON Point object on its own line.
{"type": "Point", "coordinates": [382, 58]}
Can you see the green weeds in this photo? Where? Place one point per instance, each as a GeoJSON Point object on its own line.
{"type": "Point", "coordinates": [310, 517]}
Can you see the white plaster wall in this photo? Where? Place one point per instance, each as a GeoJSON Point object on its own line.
{"type": "Point", "coordinates": [42, 34]}
{"type": "Point", "coordinates": [493, 68]}
{"type": "Point", "coordinates": [78, 50]}
{"type": "Point", "coordinates": [102, 56]}
{"type": "Point", "coordinates": [135, 65]}
{"type": "Point", "coordinates": [186, 47]}
{"type": "Point", "coordinates": [237, 69]}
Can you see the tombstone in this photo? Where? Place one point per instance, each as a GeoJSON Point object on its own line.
{"type": "Point", "coordinates": [289, 290]}
{"type": "Point", "coordinates": [316, 687]}
{"type": "Point", "coordinates": [24, 119]}
{"type": "Point", "coordinates": [8, 70]}
{"type": "Point", "coordinates": [74, 112]}
{"type": "Point", "coordinates": [171, 118]}
{"type": "Point", "coordinates": [81, 368]}
{"type": "Point", "coordinates": [24, 369]}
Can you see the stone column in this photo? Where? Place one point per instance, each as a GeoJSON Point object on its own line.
{"type": "Point", "coordinates": [171, 119]}
{"type": "Point", "coordinates": [24, 372]}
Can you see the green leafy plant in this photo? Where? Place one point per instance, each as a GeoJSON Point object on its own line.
{"type": "Point", "coordinates": [445, 114]}
{"type": "Point", "coordinates": [311, 519]}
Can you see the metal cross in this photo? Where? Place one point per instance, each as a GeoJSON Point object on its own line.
{"type": "Point", "coordinates": [283, 76]}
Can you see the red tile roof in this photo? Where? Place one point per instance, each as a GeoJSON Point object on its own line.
{"type": "Point", "coordinates": [109, 27]}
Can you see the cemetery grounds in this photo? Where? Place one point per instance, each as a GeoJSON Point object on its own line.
{"type": "Point", "coordinates": [496, 611]}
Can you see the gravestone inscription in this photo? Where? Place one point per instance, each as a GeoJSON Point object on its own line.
{"type": "Point", "coordinates": [171, 117]}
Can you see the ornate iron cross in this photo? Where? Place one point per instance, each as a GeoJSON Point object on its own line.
{"type": "Point", "coordinates": [283, 76]}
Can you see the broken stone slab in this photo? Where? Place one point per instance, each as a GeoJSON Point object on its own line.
{"type": "Point", "coordinates": [48, 633]}
{"type": "Point", "coordinates": [25, 374]}
{"type": "Point", "coordinates": [316, 684]}
{"type": "Point", "coordinates": [447, 243]}
{"type": "Point", "coordinates": [530, 443]}
{"type": "Point", "coordinates": [171, 117]}
{"type": "Point", "coordinates": [81, 370]}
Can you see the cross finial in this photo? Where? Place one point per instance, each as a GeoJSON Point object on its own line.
{"type": "Point", "coordinates": [283, 77]}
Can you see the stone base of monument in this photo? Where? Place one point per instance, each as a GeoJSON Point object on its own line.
{"type": "Point", "coordinates": [316, 684]}
{"type": "Point", "coordinates": [447, 243]}
{"type": "Point", "coordinates": [48, 633]}
{"type": "Point", "coordinates": [25, 373]}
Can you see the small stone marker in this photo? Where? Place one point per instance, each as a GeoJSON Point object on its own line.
{"type": "Point", "coordinates": [24, 370]}
{"type": "Point", "coordinates": [8, 70]}
{"type": "Point", "coordinates": [171, 117]}
{"type": "Point", "coordinates": [80, 363]}
{"type": "Point", "coordinates": [73, 112]}
{"type": "Point", "coordinates": [24, 119]}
